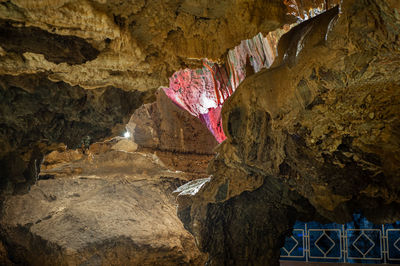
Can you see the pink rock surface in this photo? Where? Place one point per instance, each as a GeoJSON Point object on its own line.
{"type": "Point", "coordinates": [202, 92]}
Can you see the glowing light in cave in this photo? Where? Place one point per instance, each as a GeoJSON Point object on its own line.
{"type": "Point", "coordinates": [202, 92]}
{"type": "Point", "coordinates": [127, 134]}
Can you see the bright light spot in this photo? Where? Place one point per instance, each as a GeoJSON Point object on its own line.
{"type": "Point", "coordinates": [127, 134]}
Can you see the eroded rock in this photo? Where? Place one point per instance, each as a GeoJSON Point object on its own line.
{"type": "Point", "coordinates": [179, 139]}
{"type": "Point", "coordinates": [37, 114]}
{"type": "Point", "coordinates": [113, 208]}
{"type": "Point", "coordinates": [163, 125]}
{"type": "Point", "coordinates": [57, 48]}
{"type": "Point", "coordinates": [139, 43]}
{"type": "Point", "coordinates": [306, 123]}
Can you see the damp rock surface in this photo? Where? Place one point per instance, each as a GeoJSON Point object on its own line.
{"type": "Point", "coordinates": [315, 137]}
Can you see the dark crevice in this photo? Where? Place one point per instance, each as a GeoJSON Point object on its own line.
{"type": "Point", "coordinates": [55, 48]}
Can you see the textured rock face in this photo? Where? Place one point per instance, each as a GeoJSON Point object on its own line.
{"type": "Point", "coordinates": [105, 207]}
{"type": "Point", "coordinates": [179, 139]}
{"type": "Point", "coordinates": [37, 112]}
{"type": "Point", "coordinates": [313, 138]}
{"type": "Point", "coordinates": [135, 45]}
{"type": "Point", "coordinates": [322, 122]}
{"type": "Point", "coordinates": [202, 92]}
{"type": "Point", "coordinates": [305, 9]}
{"type": "Point", "coordinates": [164, 126]}
{"type": "Point", "coordinates": [109, 203]}
{"type": "Point", "coordinates": [30, 39]}
{"type": "Point", "coordinates": [248, 229]}
{"type": "Point", "coordinates": [326, 120]}
{"type": "Point", "coordinates": [107, 47]}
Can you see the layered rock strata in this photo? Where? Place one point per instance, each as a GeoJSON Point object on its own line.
{"type": "Point", "coordinates": [135, 45]}
{"type": "Point", "coordinates": [202, 92]}
{"type": "Point", "coordinates": [111, 202]}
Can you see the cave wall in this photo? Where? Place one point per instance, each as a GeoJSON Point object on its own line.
{"type": "Point", "coordinates": [118, 52]}
{"type": "Point", "coordinates": [38, 114]}
{"type": "Point", "coordinates": [322, 122]}
{"type": "Point", "coordinates": [110, 202]}
{"type": "Point", "coordinates": [313, 138]}
{"type": "Point", "coordinates": [135, 45]}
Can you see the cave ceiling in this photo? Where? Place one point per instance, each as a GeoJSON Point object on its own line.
{"type": "Point", "coordinates": [73, 72]}
{"type": "Point", "coordinates": [134, 45]}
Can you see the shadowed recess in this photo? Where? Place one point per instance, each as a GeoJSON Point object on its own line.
{"type": "Point", "coordinates": [55, 48]}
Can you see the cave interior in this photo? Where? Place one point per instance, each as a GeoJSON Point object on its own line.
{"type": "Point", "coordinates": [199, 132]}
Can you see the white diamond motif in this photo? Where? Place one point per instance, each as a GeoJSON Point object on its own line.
{"type": "Point", "coordinates": [330, 239]}
{"type": "Point", "coordinates": [369, 239]}
{"type": "Point", "coordinates": [396, 244]}
{"type": "Point", "coordinates": [294, 246]}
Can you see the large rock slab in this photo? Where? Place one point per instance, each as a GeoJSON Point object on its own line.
{"type": "Point", "coordinates": [118, 51]}
{"type": "Point", "coordinates": [179, 139]}
{"type": "Point", "coordinates": [163, 125]}
{"type": "Point", "coordinates": [111, 208]}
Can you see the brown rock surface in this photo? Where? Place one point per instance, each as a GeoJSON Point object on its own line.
{"type": "Point", "coordinates": [329, 118]}
{"type": "Point", "coordinates": [179, 139]}
{"type": "Point", "coordinates": [135, 45]}
{"type": "Point", "coordinates": [37, 113]}
{"type": "Point", "coordinates": [113, 208]}
{"type": "Point", "coordinates": [313, 138]}
{"type": "Point", "coordinates": [164, 126]}
{"type": "Point", "coordinates": [73, 71]}
{"type": "Point", "coordinates": [322, 123]}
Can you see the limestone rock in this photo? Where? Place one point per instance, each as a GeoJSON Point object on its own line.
{"type": "Point", "coordinates": [163, 125]}
{"type": "Point", "coordinates": [37, 114]}
{"type": "Point", "coordinates": [304, 126]}
{"type": "Point", "coordinates": [179, 139]}
{"type": "Point", "coordinates": [131, 44]}
{"type": "Point", "coordinates": [125, 145]}
{"type": "Point", "coordinates": [54, 51]}
{"type": "Point", "coordinates": [312, 128]}
{"type": "Point", "coordinates": [116, 210]}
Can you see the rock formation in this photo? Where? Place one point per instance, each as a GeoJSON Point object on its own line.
{"type": "Point", "coordinates": [134, 45]}
{"type": "Point", "coordinates": [115, 49]}
{"type": "Point", "coordinates": [179, 139]}
{"type": "Point", "coordinates": [105, 207]}
{"type": "Point", "coordinates": [321, 123]}
{"type": "Point", "coordinates": [202, 92]}
{"type": "Point", "coordinates": [313, 137]}
{"type": "Point", "coordinates": [37, 114]}
{"type": "Point", "coordinates": [164, 126]}
{"type": "Point", "coordinates": [108, 203]}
